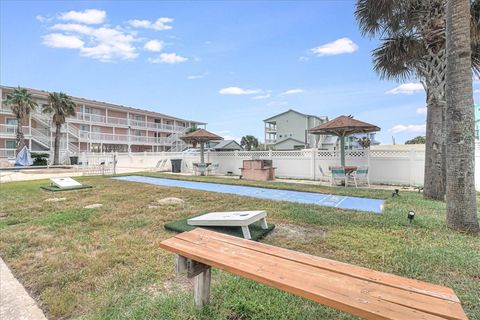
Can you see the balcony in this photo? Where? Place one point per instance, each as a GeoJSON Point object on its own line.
{"type": "Point", "coordinates": [97, 137]}
{"type": "Point", "coordinates": [271, 129]}
{"type": "Point", "coordinates": [270, 141]}
{"type": "Point", "coordinates": [7, 130]}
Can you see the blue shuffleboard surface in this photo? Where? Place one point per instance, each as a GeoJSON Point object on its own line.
{"type": "Point", "coordinates": [328, 200]}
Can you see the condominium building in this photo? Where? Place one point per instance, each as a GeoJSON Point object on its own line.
{"type": "Point", "coordinates": [96, 127]}
{"type": "Point", "coordinates": [290, 130]}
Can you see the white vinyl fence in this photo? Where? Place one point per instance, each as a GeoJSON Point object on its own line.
{"type": "Point", "coordinates": [386, 166]}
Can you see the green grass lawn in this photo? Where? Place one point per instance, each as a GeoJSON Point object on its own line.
{"type": "Point", "coordinates": [106, 263]}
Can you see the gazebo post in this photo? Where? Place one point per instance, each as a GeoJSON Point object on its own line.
{"type": "Point", "coordinates": [342, 150]}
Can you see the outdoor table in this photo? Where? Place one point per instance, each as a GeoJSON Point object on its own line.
{"type": "Point", "coordinates": [348, 169]}
{"type": "Point", "coordinates": [195, 164]}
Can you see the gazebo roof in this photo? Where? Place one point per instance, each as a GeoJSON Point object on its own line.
{"type": "Point", "coordinates": [200, 135]}
{"type": "Point", "coordinates": [344, 126]}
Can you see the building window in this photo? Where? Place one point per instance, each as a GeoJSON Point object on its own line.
{"type": "Point", "coordinates": [137, 133]}
{"type": "Point", "coordinates": [11, 121]}
{"type": "Point", "coordinates": [10, 144]}
{"type": "Point", "coordinates": [84, 127]}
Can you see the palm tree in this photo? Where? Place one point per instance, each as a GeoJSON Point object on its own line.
{"type": "Point", "coordinates": [62, 106]}
{"type": "Point", "coordinates": [413, 46]}
{"type": "Point", "coordinates": [461, 195]}
{"type": "Point", "coordinates": [249, 142]}
{"type": "Point", "coordinates": [22, 103]}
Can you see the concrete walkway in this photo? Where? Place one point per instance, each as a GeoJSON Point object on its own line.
{"type": "Point", "coordinates": [15, 303]}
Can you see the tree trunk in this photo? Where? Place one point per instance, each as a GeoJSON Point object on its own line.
{"type": "Point", "coordinates": [20, 136]}
{"type": "Point", "coordinates": [56, 151]}
{"type": "Point", "coordinates": [435, 169]}
{"type": "Point", "coordinates": [461, 194]}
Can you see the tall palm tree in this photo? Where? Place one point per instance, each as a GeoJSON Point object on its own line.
{"type": "Point", "coordinates": [461, 194]}
{"type": "Point", "coordinates": [22, 103]}
{"type": "Point", "coordinates": [249, 142]}
{"type": "Point", "coordinates": [61, 106]}
{"type": "Point", "coordinates": [413, 46]}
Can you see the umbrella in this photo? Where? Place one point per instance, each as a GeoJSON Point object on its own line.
{"type": "Point", "coordinates": [200, 136]}
{"type": "Point", "coordinates": [344, 126]}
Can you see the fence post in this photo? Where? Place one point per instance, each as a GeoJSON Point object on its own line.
{"type": "Point", "coordinates": [270, 154]}
{"type": "Point", "coordinates": [411, 163]}
{"type": "Point", "coordinates": [313, 158]}
{"type": "Point", "coordinates": [115, 162]}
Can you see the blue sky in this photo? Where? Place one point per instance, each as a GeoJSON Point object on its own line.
{"type": "Point", "coordinates": [231, 64]}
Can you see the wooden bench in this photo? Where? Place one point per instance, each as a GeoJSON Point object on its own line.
{"type": "Point", "coordinates": [356, 290]}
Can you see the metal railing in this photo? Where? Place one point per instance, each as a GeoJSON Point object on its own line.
{"type": "Point", "coordinates": [7, 153]}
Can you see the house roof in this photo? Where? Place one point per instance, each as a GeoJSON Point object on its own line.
{"type": "Point", "coordinates": [44, 93]}
{"type": "Point", "coordinates": [289, 138]}
{"type": "Point", "coordinates": [200, 135]}
{"type": "Point", "coordinates": [344, 126]}
{"type": "Point", "coordinates": [291, 110]}
{"type": "Point", "coordinates": [222, 144]}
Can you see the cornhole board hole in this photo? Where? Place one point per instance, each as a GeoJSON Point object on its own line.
{"type": "Point", "coordinates": [61, 184]}
{"type": "Point", "coordinates": [231, 219]}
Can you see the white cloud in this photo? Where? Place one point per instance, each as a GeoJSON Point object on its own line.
{"type": "Point", "coordinates": [58, 40]}
{"type": "Point", "coordinates": [277, 104]}
{"type": "Point", "coordinates": [160, 24]}
{"type": "Point", "coordinates": [476, 91]}
{"type": "Point", "coordinates": [339, 46]}
{"type": "Point", "coordinates": [89, 16]}
{"type": "Point", "coordinates": [411, 128]}
{"type": "Point", "coordinates": [197, 76]}
{"type": "Point", "coordinates": [292, 91]}
{"type": "Point", "coordinates": [406, 88]}
{"type": "Point", "coordinates": [73, 27]}
{"type": "Point", "coordinates": [265, 96]}
{"type": "Point", "coordinates": [104, 44]}
{"type": "Point", "coordinates": [169, 58]}
{"type": "Point", "coordinates": [422, 110]}
{"type": "Point", "coordinates": [237, 91]}
{"type": "Point", "coordinates": [154, 45]}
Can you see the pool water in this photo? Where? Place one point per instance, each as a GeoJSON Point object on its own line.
{"type": "Point", "coordinates": [327, 200]}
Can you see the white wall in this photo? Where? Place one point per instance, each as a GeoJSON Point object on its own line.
{"type": "Point", "coordinates": [394, 167]}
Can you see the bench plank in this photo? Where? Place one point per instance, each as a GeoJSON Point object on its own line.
{"type": "Point", "coordinates": [340, 267]}
{"type": "Point", "coordinates": [360, 297]}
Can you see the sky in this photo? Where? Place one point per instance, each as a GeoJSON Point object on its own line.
{"type": "Point", "coordinates": [230, 64]}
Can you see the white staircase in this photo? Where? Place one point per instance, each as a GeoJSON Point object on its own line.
{"type": "Point", "coordinates": [41, 138]}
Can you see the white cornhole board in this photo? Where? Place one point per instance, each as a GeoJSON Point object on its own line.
{"type": "Point", "coordinates": [231, 219]}
{"type": "Point", "coordinates": [65, 183]}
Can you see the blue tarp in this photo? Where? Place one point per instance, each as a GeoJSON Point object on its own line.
{"type": "Point", "coordinates": [328, 200]}
{"type": "Point", "coordinates": [23, 158]}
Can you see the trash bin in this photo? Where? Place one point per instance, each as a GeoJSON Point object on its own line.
{"type": "Point", "coordinates": [176, 165]}
{"type": "Point", "coordinates": [74, 160]}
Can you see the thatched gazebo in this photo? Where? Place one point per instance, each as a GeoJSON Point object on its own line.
{"type": "Point", "coordinates": [342, 127]}
{"type": "Point", "coordinates": [200, 136]}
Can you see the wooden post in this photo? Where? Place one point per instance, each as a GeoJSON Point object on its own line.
{"type": "Point", "coordinates": [201, 288]}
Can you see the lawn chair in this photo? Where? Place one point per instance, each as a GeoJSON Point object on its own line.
{"type": "Point", "coordinates": [359, 176]}
{"type": "Point", "coordinates": [200, 168]}
{"type": "Point", "coordinates": [324, 175]}
{"type": "Point", "coordinates": [212, 169]}
{"type": "Point", "coordinates": [161, 165]}
{"type": "Point", "coordinates": [338, 174]}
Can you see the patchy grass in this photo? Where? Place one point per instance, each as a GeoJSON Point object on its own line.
{"type": "Point", "coordinates": [105, 263]}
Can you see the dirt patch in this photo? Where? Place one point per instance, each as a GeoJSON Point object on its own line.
{"type": "Point", "coordinates": [175, 283]}
{"type": "Point", "coordinates": [3, 215]}
{"type": "Point", "coordinates": [54, 199]}
{"type": "Point", "coordinates": [286, 231]}
{"type": "Point", "coordinates": [93, 206]}
{"type": "Point", "coordinates": [171, 201]}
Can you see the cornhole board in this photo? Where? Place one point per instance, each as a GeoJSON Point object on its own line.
{"type": "Point", "coordinates": [231, 219]}
{"type": "Point", "coordinates": [61, 184]}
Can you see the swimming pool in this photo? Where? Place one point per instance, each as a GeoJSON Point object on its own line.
{"type": "Point", "coordinates": [328, 200]}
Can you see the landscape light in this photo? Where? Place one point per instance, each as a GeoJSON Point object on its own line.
{"type": "Point", "coordinates": [396, 193]}
{"type": "Point", "coordinates": [411, 216]}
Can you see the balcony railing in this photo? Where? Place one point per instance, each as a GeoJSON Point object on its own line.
{"type": "Point", "coordinates": [120, 138]}
{"type": "Point", "coordinates": [270, 141]}
{"type": "Point", "coordinates": [11, 130]}
{"type": "Point", "coordinates": [7, 153]}
{"type": "Point", "coordinates": [89, 117]}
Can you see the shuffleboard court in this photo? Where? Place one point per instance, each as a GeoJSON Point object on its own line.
{"type": "Point", "coordinates": [328, 200]}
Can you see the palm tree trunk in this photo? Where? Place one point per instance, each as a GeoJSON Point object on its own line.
{"type": "Point", "coordinates": [20, 136]}
{"type": "Point", "coordinates": [56, 151]}
{"type": "Point", "coordinates": [435, 169]}
{"type": "Point", "coordinates": [461, 194]}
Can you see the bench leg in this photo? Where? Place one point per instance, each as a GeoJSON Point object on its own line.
{"type": "Point", "coordinates": [264, 224]}
{"type": "Point", "coordinates": [201, 288]}
{"type": "Point", "coordinates": [246, 233]}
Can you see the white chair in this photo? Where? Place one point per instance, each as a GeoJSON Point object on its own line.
{"type": "Point", "coordinates": [324, 175]}
{"type": "Point", "coordinates": [212, 169]}
{"type": "Point", "coordinates": [338, 174]}
{"type": "Point", "coordinates": [161, 165]}
{"type": "Point", "coordinates": [360, 176]}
